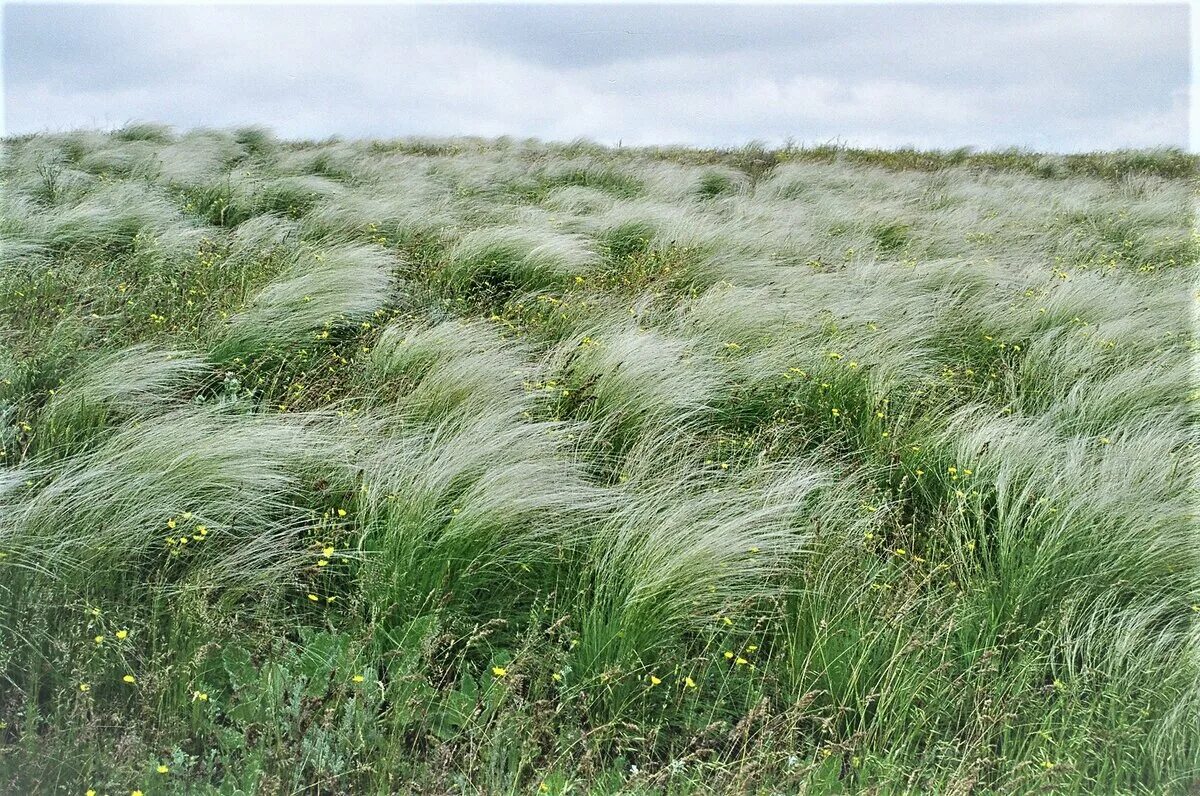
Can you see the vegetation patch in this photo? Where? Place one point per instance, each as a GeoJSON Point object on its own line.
{"type": "Point", "coordinates": [503, 467]}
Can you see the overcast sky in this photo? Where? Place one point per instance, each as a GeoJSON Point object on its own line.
{"type": "Point", "coordinates": [1061, 78]}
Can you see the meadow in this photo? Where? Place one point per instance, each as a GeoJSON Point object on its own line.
{"type": "Point", "coordinates": [498, 466]}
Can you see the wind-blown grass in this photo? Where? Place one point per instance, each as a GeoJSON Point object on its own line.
{"type": "Point", "coordinates": [507, 467]}
{"type": "Point", "coordinates": [326, 290]}
{"type": "Point", "coordinates": [505, 259]}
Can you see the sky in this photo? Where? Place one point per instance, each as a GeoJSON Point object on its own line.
{"type": "Point", "coordinates": [1057, 78]}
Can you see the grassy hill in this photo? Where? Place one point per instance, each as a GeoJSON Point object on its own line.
{"type": "Point", "coordinates": [505, 467]}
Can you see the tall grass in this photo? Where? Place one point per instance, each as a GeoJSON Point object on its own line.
{"type": "Point", "coordinates": [324, 290]}
{"type": "Point", "coordinates": [501, 466]}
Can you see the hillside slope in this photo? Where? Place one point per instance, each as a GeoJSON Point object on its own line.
{"type": "Point", "coordinates": [467, 466]}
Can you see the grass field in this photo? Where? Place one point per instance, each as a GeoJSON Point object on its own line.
{"type": "Point", "coordinates": [505, 467]}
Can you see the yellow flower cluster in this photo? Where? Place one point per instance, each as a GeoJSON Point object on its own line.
{"type": "Point", "coordinates": [196, 533]}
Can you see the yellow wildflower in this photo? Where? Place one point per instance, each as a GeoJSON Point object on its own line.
{"type": "Point", "coordinates": [129, 678]}
{"type": "Point", "coordinates": [689, 682]}
{"type": "Point", "coordinates": [122, 634]}
{"type": "Point", "coordinates": [358, 678]}
{"type": "Point", "coordinates": [654, 680]}
{"type": "Point", "coordinates": [84, 687]}
{"type": "Point", "coordinates": [163, 769]}
{"type": "Point", "coordinates": [499, 671]}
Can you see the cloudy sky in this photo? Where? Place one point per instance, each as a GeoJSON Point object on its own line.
{"type": "Point", "coordinates": [1049, 77]}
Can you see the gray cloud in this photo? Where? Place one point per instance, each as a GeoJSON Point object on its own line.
{"type": "Point", "coordinates": [1048, 77]}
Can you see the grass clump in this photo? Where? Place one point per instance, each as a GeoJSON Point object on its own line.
{"type": "Point", "coordinates": [493, 263]}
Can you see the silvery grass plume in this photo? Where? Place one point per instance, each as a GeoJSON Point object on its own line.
{"type": "Point", "coordinates": [622, 380]}
{"type": "Point", "coordinates": [114, 217]}
{"type": "Point", "coordinates": [1096, 538]}
{"type": "Point", "coordinates": [645, 226]}
{"type": "Point", "coordinates": [433, 372]}
{"type": "Point", "coordinates": [197, 159]}
{"type": "Point", "coordinates": [263, 234]}
{"type": "Point", "coordinates": [294, 196]}
{"type": "Point", "coordinates": [324, 290]}
{"type": "Point", "coordinates": [487, 177]}
{"type": "Point", "coordinates": [515, 258]}
{"type": "Point", "coordinates": [806, 332]}
{"type": "Point", "coordinates": [41, 171]}
{"type": "Point", "coordinates": [417, 209]}
{"type": "Point", "coordinates": [144, 132]}
{"type": "Point", "coordinates": [683, 184]}
{"type": "Point", "coordinates": [578, 200]}
{"type": "Point", "coordinates": [134, 382]}
{"type": "Point", "coordinates": [1099, 405]}
{"type": "Point", "coordinates": [1079, 528]}
{"type": "Point", "coordinates": [470, 507]}
{"type": "Point", "coordinates": [342, 160]}
{"type": "Point", "coordinates": [227, 197]}
{"type": "Point", "coordinates": [133, 159]}
{"type": "Point", "coordinates": [224, 481]}
{"type": "Point", "coordinates": [689, 543]}
{"type": "Point", "coordinates": [23, 231]}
